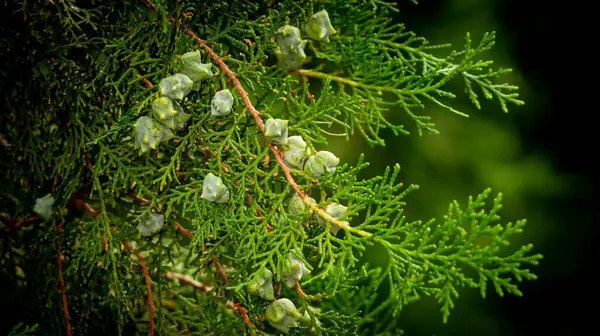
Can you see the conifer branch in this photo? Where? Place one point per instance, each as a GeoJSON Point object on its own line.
{"type": "Point", "coordinates": [184, 278]}
{"type": "Point", "coordinates": [148, 281]}
{"type": "Point", "coordinates": [86, 102]}
{"type": "Point", "coordinates": [12, 225]}
{"type": "Point", "coordinates": [316, 74]}
{"type": "Point", "coordinates": [183, 230]}
{"type": "Point", "coordinates": [215, 262]}
{"type": "Point", "coordinates": [276, 151]}
{"type": "Point", "coordinates": [61, 284]}
{"type": "Point", "coordinates": [85, 206]}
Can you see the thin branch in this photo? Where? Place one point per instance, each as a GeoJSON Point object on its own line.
{"type": "Point", "coordinates": [220, 269]}
{"type": "Point", "coordinates": [12, 225]}
{"type": "Point", "coordinates": [144, 82]}
{"type": "Point", "coordinates": [258, 212]}
{"type": "Point", "coordinates": [184, 278]}
{"type": "Point", "coordinates": [183, 230]}
{"type": "Point", "coordinates": [85, 206]}
{"type": "Point", "coordinates": [214, 259]}
{"type": "Point", "coordinates": [148, 281]}
{"type": "Point", "coordinates": [206, 288]}
{"type": "Point", "coordinates": [312, 73]}
{"type": "Point", "coordinates": [139, 199]}
{"type": "Point", "coordinates": [276, 151]}
{"type": "Point", "coordinates": [61, 284]}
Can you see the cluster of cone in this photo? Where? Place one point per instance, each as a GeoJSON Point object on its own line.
{"type": "Point", "coordinates": [282, 313]}
{"type": "Point", "coordinates": [290, 55]}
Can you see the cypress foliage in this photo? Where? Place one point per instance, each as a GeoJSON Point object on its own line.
{"type": "Point", "coordinates": [165, 169]}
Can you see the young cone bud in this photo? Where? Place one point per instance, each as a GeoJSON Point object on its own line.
{"type": "Point", "coordinates": [277, 131]}
{"type": "Point", "coordinates": [43, 206]}
{"type": "Point", "coordinates": [151, 224]}
{"type": "Point", "coordinates": [322, 161]}
{"type": "Point", "coordinates": [176, 86]}
{"type": "Point", "coordinates": [282, 315]}
{"type": "Point", "coordinates": [319, 27]}
{"type": "Point", "coordinates": [222, 103]}
{"type": "Point", "coordinates": [291, 54]}
{"type": "Point", "coordinates": [214, 190]}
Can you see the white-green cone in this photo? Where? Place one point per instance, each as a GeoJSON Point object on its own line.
{"type": "Point", "coordinates": [334, 210]}
{"type": "Point", "coordinates": [277, 131]}
{"type": "Point", "coordinates": [321, 162]}
{"type": "Point", "coordinates": [214, 190]}
{"type": "Point", "coordinates": [222, 103]}
{"type": "Point", "coordinates": [291, 54]}
{"type": "Point", "coordinates": [176, 86]}
{"type": "Point", "coordinates": [294, 270]}
{"type": "Point", "coordinates": [296, 153]}
{"type": "Point", "coordinates": [282, 315]}
{"type": "Point", "coordinates": [169, 113]}
{"type": "Point", "coordinates": [195, 69]}
{"type": "Point", "coordinates": [319, 27]}
{"type": "Point", "coordinates": [297, 206]}
{"type": "Point", "coordinates": [148, 133]}
{"type": "Point", "coordinates": [43, 206]}
{"type": "Point", "coordinates": [263, 285]}
{"type": "Point", "coordinates": [151, 225]}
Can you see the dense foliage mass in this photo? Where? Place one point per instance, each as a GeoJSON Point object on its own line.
{"type": "Point", "coordinates": [165, 169]}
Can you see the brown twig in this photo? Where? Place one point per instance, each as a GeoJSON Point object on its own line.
{"type": "Point", "coordinates": [183, 230]}
{"type": "Point", "coordinates": [61, 284]}
{"type": "Point", "coordinates": [85, 206]}
{"type": "Point", "coordinates": [243, 312]}
{"type": "Point", "coordinates": [145, 82]}
{"type": "Point", "coordinates": [220, 269]}
{"type": "Point", "coordinates": [299, 290]}
{"type": "Point", "coordinates": [4, 143]}
{"type": "Point", "coordinates": [148, 281]}
{"type": "Point", "coordinates": [184, 278]}
{"type": "Point", "coordinates": [139, 199]}
{"type": "Point", "coordinates": [12, 225]}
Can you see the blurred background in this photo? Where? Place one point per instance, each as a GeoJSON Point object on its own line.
{"type": "Point", "coordinates": [536, 155]}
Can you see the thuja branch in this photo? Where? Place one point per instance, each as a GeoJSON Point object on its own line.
{"type": "Point", "coordinates": [148, 281]}
{"type": "Point", "coordinates": [61, 283]}
{"type": "Point", "coordinates": [276, 151]}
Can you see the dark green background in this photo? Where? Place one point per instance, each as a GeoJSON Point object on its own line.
{"type": "Point", "coordinates": [536, 155]}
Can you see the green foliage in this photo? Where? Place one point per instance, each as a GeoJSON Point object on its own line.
{"type": "Point", "coordinates": [69, 132]}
